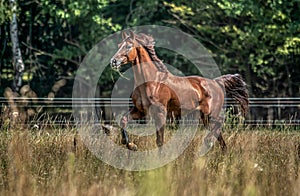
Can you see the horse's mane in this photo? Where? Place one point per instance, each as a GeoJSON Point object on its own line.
{"type": "Point", "coordinates": [148, 42]}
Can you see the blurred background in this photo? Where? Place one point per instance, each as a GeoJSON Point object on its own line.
{"type": "Point", "coordinates": [43, 42]}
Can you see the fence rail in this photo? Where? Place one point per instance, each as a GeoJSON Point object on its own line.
{"type": "Point", "coordinates": [67, 102]}
{"type": "Point", "coordinates": [262, 111]}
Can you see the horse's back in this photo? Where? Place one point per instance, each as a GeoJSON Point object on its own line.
{"type": "Point", "coordinates": [212, 92]}
{"type": "Point", "coordinates": [180, 95]}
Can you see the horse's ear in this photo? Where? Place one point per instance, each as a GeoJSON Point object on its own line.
{"type": "Point", "coordinates": [124, 35]}
{"type": "Point", "coordinates": [132, 35]}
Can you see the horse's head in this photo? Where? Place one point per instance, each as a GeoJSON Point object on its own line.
{"type": "Point", "coordinates": [127, 51]}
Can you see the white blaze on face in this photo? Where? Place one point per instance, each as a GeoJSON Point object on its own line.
{"type": "Point", "coordinates": [116, 62]}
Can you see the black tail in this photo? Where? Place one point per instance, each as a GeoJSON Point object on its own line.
{"type": "Point", "coordinates": [236, 88]}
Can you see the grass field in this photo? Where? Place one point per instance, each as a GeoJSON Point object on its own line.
{"type": "Point", "coordinates": [46, 162]}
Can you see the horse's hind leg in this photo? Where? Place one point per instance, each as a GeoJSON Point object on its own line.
{"type": "Point", "coordinates": [215, 131]}
{"type": "Point", "coordinates": [221, 141]}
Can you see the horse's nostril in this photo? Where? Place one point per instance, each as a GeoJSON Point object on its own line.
{"type": "Point", "coordinates": [113, 62]}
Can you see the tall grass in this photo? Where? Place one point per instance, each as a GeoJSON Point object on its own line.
{"type": "Point", "coordinates": [55, 162]}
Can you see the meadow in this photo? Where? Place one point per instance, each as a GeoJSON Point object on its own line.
{"type": "Point", "coordinates": [53, 161]}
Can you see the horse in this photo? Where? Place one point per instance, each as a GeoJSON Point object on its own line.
{"type": "Point", "coordinates": [160, 94]}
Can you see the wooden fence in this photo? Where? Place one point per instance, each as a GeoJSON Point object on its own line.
{"type": "Point", "coordinates": [262, 111]}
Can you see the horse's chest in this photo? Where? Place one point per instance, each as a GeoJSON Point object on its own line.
{"type": "Point", "coordinates": [141, 103]}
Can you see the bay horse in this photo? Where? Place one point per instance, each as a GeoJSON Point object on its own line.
{"type": "Point", "coordinates": [158, 93]}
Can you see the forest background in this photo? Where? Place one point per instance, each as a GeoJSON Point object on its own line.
{"type": "Point", "coordinates": [257, 38]}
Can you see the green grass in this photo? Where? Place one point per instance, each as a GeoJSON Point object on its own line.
{"type": "Point", "coordinates": [46, 162]}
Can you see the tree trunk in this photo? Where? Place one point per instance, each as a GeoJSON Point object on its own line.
{"type": "Point", "coordinates": [17, 56]}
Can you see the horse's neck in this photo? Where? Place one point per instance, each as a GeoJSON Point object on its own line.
{"type": "Point", "coordinates": [144, 68]}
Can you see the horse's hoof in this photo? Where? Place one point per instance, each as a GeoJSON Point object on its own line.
{"type": "Point", "coordinates": [123, 141]}
{"type": "Point", "coordinates": [132, 146]}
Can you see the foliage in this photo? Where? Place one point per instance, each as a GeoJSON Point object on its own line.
{"type": "Point", "coordinates": [260, 40]}
{"type": "Point", "coordinates": [5, 12]}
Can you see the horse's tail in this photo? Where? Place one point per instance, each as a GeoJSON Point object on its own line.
{"type": "Point", "coordinates": [236, 88]}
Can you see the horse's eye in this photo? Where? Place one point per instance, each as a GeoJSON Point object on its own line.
{"type": "Point", "coordinates": [129, 46]}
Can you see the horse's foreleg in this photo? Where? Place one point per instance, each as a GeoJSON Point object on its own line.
{"type": "Point", "coordinates": [205, 119]}
{"type": "Point", "coordinates": [160, 135]}
{"type": "Point", "coordinates": [159, 114]}
{"type": "Point", "coordinates": [125, 139]}
{"type": "Point", "coordinates": [123, 123]}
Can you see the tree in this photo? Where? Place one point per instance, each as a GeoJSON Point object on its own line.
{"type": "Point", "coordinates": [18, 63]}
{"type": "Point", "coordinates": [258, 39]}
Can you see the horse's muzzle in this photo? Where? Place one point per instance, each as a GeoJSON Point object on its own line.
{"type": "Point", "coordinates": [116, 63]}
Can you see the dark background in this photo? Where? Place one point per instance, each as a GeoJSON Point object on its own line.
{"type": "Point", "coordinates": [258, 39]}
